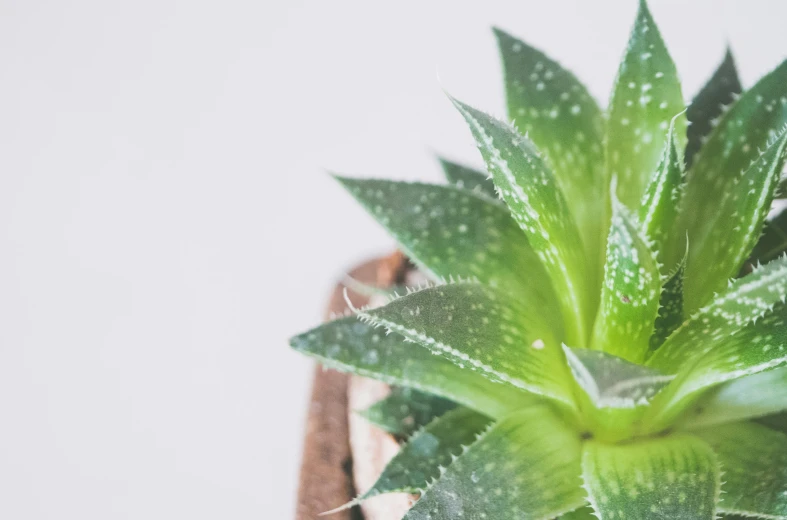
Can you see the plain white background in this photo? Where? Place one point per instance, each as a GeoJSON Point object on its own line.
{"type": "Point", "coordinates": [166, 221]}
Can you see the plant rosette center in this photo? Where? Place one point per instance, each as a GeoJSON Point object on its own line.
{"type": "Point", "coordinates": [604, 334]}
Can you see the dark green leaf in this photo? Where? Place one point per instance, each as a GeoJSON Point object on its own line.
{"type": "Point", "coordinates": [645, 97]}
{"type": "Point", "coordinates": [674, 477]}
{"type": "Point", "coordinates": [405, 410]}
{"type": "Point", "coordinates": [483, 330]}
{"type": "Point", "coordinates": [468, 178]}
{"type": "Point", "coordinates": [773, 241]}
{"type": "Point", "coordinates": [555, 110]}
{"type": "Point", "coordinates": [536, 202]}
{"type": "Point", "coordinates": [670, 306]}
{"type": "Point", "coordinates": [754, 459]}
{"type": "Point", "coordinates": [526, 466]}
{"type": "Point", "coordinates": [349, 345]}
{"type": "Point", "coordinates": [720, 91]}
{"type": "Point", "coordinates": [776, 422]}
{"type": "Point", "coordinates": [452, 232]}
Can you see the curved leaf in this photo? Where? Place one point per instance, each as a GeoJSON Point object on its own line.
{"type": "Point", "coordinates": [754, 459]}
{"type": "Point", "coordinates": [630, 293]}
{"type": "Point", "coordinates": [468, 178]}
{"type": "Point", "coordinates": [537, 204]}
{"type": "Point", "coordinates": [670, 306]}
{"type": "Point", "coordinates": [720, 91]}
{"type": "Point", "coordinates": [773, 241]}
{"type": "Point", "coordinates": [452, 232]}
{"type": "Point", "coordinates": [722, 244]}
{"type": "Point", "coordinates": [645, 97]}
{"type": "Point", "coordinates": [349, 345]}
{"type": "Point", "coordinates": [482, 330]}
{"type": "Point", "coordinates": [675, 477]}
{"type": "Point", "coordinates": [549, 105]}
{"type": "Point", "coordinates": [405, 410]}
{"type": "Point", "coordinates": [749, 397]}
{"type": "Point", "coordinates": [420, 460]}
{"type": "Point", "coordinates": [526, 466]}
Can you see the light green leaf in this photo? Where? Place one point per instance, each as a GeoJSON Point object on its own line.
{"type": "Point", "coordinates": [744, 301]}
{"type": "Point", "coordinates": [468, 178]}
{"type": "Point", "coordinates": [754, 460]}
{"type": "Point", "coordinates": [645, 97]}
{"type": "Point", "coordinates": [670, 306]}
{"type": "Point", "coordinates": [420, 460]}
{"type": "Point", "coordinates": [749, 397]}
{"type": "Point", "coordinates": [452, 232]}
{"type": "Point", "coordinates": [630, 293]}
{"type": "Point", "coordinates": [549, 105]}
{"type": "Point", "coordinates": [755, 348]}
{"type": "Point", "coordinates": [720, 91]}
{"type": "Point", "coordinates": [584, 513]}
{"type": "Point", "coordinates": [526, 467]}
{"type": "Point", "coordinates": [720, 246]}
{"type": "Point", "coordinates": [658, 211]}
{"type": "Point", "coordinates": [674, 477]}
{"type": "Point", "coordinates": [349, 345]}
{"type": "Point", "coordinates": [405, 410]}
{"type": "Point", "coordinates": [773, 241]}
{"type": "Point", "coordinates": [537, 204]}
{"type": "Point", "coordinates": [483, 330]}
{"type": "Point", "coordinates": [613, 382]}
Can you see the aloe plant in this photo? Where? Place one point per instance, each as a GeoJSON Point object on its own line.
{"type": "Point", "coordinates": [606, 318]}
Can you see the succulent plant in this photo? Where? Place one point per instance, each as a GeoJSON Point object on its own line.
{"type": "Point", "coordinates": [605, 333]}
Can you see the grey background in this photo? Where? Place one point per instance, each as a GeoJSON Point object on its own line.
{"type": "Point", "coordinates": [166, 222]}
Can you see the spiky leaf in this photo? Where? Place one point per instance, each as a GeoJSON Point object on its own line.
{"type": "Point", "coordinates": [406, 410]}
{"type": "Point", "coordinates": [629, 295]}
{"type": "Point", "coordinates": [468, 178]}
{"type": "Point", "coordinates": [754, 459]}
{"type": "Point", "coordinates": [483, 330]}
{"type": "Point", "coordinates": [526, 466]}
{"type": "Point", "coordinates": [451, 232]}
{"type": "Point", "coordinates": [555, 110]}
{"type": "Point", "coordinates": [646, 96]}
{"type": "Point", "coordinates": [583, 513]}
{"type": "Point", "coordinates": [659, 208]}
{"type": "Point", "coordinates": [670, 306]}
{"type": "Point", "coordinates": [537, 204]}
{"type": "Point", "coordinates": [349, 345]}
{"type": "Point", "coordinates": [756, 348]}
{"type": "Point", "coordinates": [773, 241]}
{"type": "Point", "coordinates": [675, 477]}
{"type": "Point", "coordinates": [749, 397]}
{"type": "Point", "coordinates": [720, 246]}
{"type": "Point", "coordinates": [708, 105]}
{"type": "Point", "coordinates": [419, 461]}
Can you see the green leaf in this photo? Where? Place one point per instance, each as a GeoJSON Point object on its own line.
{"type": "Point", "coordinates": [776, 422]}
{"type": "Point", "coordinates": [630, 293]}
{"type": "Point", "coordinates": [754, 459]}
{"type": "Point", "coordinates": [675, 477]}
{"type": "Point", "coordinates": [613, 382]}
{"type": "Point", "coordinates": [658, 211]}
{"type": "Point", "coordinates": [755, 348]}
{"type": "Point", "coordinates": [773, 241]}
{"type": "Point", "coordinates": [749, 397]}
{"type": "Point", "coordinates": [483, 330]}
{"type": "Point", "coordinates": [549, 105]}
{"type": "Point", "coordinates": [670, 306]}
{"type": "Point", "coordinates": [526, 466]}
{"type": "Point", "coordinates": [537, 204]}
{"type": "Point", "coordinates": [434, 447]}
{"type": "Point", "coordinates": [744, 301]}
{"type": "Point", "coordinates": [405, 410]}
{"type": "Point", "coordinates": [720, 246]}
{"type": "Point", "coordinates": [349, 345]}
{"type": "Point", "coordinates": [720, 91]}
{"type": "Point", "coordinates": [645, 97]}
{"type": "Point", "coordinates": [452, 232]}
{"type": "Point", "coordinates": [584, 513]}
{"type": "Point", "coordinates": [468, 178]}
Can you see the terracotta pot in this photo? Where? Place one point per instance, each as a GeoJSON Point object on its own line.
{"type": "Point", "coordinates": [342, 453]}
